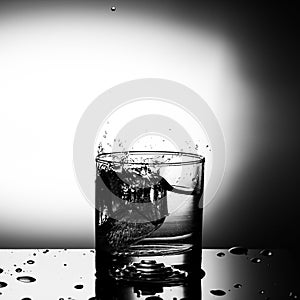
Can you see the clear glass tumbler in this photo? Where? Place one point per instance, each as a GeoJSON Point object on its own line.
{"type": "Point", "coordinates": [148, 217]}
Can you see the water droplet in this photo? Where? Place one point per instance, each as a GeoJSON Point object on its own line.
{"type": "Point", "coordinates": [221, 254]}
{"type": "Point", "coordinates": [261, 291]}
{"type": "Point", "coordinates": [65, 265]}
{"type": "Point", "coordinates": [18, 270]}
{"type": "Point", "coordinates": [34, 254]}
{"type": "Point", "coordinates": [26, 299]}
{"type": "Point", "coordinates": [3, 284]}
{"type": "Point", "coordinates": [237, 286]}
{"type": "Point", "coordinates": [113, 8]}
{"type": "Point", "coordinates": [26, 279]}
{"type": "Point", "coordinates": [78, 286]}
{"type": "Point", "coordinates": [46, 251]}
{"type": "Point", "coordinates": [30, 262]}
{"type": "Point", "coordinates": [206, 146]}
{"type": "Point", "coordinates": [238, 250]}
{"type": "Point", "coordinates": [93, 251]}
{"type": "Point", "coordinates": [266, 252]}
{"type": "Point", "coordinates": [218, 292]}
{"type": "Point", "coordinates": [255, 260]}
{"type": "Point", "coordinates": [153, 298]}
{"type": "Point", "coordinates": [1, 270]}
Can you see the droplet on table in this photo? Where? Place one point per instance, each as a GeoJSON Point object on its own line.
{"type": "Point", "coordinates": [255, 260]}
{"type": "Point", "coordinates": [78, 286]}
{"type": "Point", "coordinates": [3, 284]}
{"type": "Point", "coordinates": [30, 262]}
{"type": "Point", "coordinates": [238, 250]}
{"type": "Point", "coordinates": [26, 279]}
{"type": "Point", "coordinates": [218, 292]}
{"type": "Point", "coordinates": [266, 252]}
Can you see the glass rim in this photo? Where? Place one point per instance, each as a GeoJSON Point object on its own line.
{"type": "Point", "coordinates": [194, 158]}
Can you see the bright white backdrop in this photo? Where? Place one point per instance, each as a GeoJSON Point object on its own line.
{"type": "Point", "coordinates": [54, 63]}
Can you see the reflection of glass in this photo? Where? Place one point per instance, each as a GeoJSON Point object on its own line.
{"type": "Point", "coordinates": [148, 216]}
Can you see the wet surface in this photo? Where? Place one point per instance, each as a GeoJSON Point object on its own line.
{"type": "Point", "coordinates": [71, 276]}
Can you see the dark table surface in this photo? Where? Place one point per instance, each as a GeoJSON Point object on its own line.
{"type": "Point", "coordinates": [70, 274]}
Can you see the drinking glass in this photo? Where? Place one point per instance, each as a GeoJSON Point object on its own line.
{"type": "Point", "coordinates": [149, 207]}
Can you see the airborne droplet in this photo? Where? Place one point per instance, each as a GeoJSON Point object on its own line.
{"type": "Point", "coordinates": [237, 286]}
{"type": "Point", "coordinates": [18, 270]}
{"type": "Point", "coordinates": [113, 8]}
{"type": "Point", "coordinates": [221, 254]}
{"type": "Point", "coordinates": [30, 262]}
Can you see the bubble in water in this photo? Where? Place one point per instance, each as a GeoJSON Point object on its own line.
{"type": "Point", "coordinates": [237, 286]}
{"type": "Point", "coordinates": [26, 279]}
{"type": "Point", "coordinates": [113, 8]}
{"type": "Point", "coordinates": [266, 252]}
{"type": "Point", "coordinates": [30, 262]}
{"type": "Point", "coordinates": [3, 284]}
{"type": "Point", "coordinates": [218, 292]}
{"type": "Point", "coordinates": [255, 260]}
{"type": "Point", "coordinates": [238, 250]}
{"type": "Point", "coordinates": [18, 270]}
{"type": "Point", "coordinates": [78, 286]}
{"type": "Point", "coordinates": [221, 254]}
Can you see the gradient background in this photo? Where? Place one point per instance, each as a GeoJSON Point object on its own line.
{"type": "Point", "coordinates": [57, 57]}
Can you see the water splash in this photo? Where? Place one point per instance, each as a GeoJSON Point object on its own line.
{"type": "Point", "coordinates": [218, 292]}
{"type": "Point", "coordinates": [26, 279]}
{"type": "Point", "coordinates": [238, 250]}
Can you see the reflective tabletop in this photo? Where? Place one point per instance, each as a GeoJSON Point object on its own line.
{"type": "Point", "coordinates": [69, 274]}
